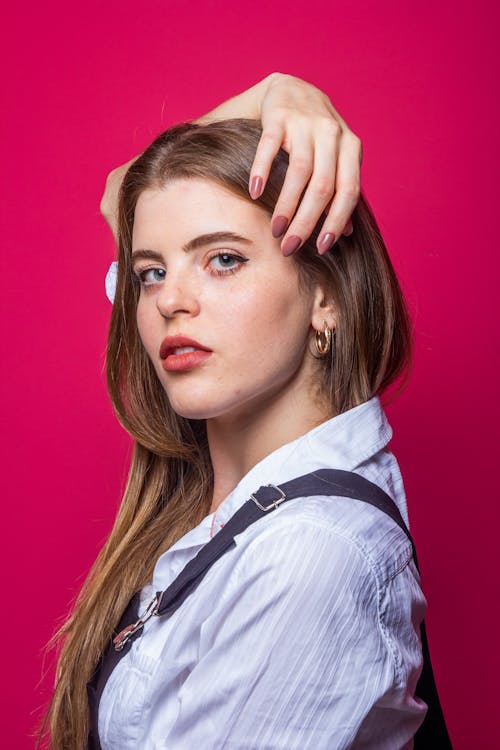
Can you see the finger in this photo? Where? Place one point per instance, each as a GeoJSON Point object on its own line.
{"type": "Point", "coordinates": [348, 227]}
{"type": "Point", "coordinates": [348, 230]}
{"type": "Point", "coordinates": [320, 189]}
{"type": "Point", "coordinates": [267, 148]}
{"type": "Point", "coordinates": [347, 191]}
{"type": "Point", "coordinates": [299, 171]}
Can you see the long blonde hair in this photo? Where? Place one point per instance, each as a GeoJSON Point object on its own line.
{"type": "Point", "coordinates": [170, 478]}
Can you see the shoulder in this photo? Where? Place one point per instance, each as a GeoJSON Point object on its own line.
{"type": "Point", "coordinates": [335, 530]}
{"type": "Point", "coordinates": [344, 563]}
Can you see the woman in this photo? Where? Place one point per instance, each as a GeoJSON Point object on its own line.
{"type": "Point", "coordinates": [234, 366]}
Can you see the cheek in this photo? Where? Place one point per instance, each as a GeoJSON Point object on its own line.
{"type": "Point", "coordinates": [141, 324]}
{"type": "Point", "coordinates": [145, 327]}
{"type": "Point", "coordinates": [272, 323]}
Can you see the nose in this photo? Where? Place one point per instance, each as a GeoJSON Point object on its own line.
{"type": "Point", "coordinates": [177, 296]}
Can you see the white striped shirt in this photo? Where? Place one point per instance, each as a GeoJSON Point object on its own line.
{"type": "Point", "coordinates": [303, 636]}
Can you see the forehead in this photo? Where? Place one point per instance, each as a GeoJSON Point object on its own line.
{"type": "Point", "coordinates": [185, 207]}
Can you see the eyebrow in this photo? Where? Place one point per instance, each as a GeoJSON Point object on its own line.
{"type": "Point", "coordinates": [207, 239]}
{"type": "Point", "coordinates": [194, 244]}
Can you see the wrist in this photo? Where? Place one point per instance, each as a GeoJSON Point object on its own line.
{"type": "Point", "coordinates": [262, 89]}
{"type": "Point", "coordinates": [247, 104]}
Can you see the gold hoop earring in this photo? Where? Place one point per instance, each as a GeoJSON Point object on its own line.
{"type": "Point", "coordinates": [323, 346]}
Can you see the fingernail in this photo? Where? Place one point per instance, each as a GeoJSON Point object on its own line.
{"type": "Point", "coordinates": [256, 187]}
{"type": "Point", "coordinates": [325, 242]}
{"type": "Point", "coordinates": [291, 245]}
{"type": "Point", "coordinates": [279, 225]}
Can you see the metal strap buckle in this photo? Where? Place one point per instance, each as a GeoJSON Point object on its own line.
{"type": "Point", "coordinates": [126, 634]}
{"type": "Point", "coordinates": [274, 503]}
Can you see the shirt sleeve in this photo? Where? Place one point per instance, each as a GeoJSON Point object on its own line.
{"type": "Point", "coordinates": [295, 655]}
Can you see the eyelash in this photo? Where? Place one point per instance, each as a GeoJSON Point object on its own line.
{"type": "Point", "coordinates": [227, 271]}
{"type": "Point", "coordinates": [141, 274]}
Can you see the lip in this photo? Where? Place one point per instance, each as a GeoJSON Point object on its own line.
{"type": "Point", "coordinates": [174, 342]}
{"type": "Point", "coordinates": [185, 361]}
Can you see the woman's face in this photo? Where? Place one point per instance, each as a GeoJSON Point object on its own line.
{"type": "Point", "coordinates": [220, 311]}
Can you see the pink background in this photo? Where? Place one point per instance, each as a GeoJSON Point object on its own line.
{"type": "Point", "coordinates": [88, 87]}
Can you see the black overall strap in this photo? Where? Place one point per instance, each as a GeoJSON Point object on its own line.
{"type": "Point", "coordinates": [321, 482]}
{"type": "Point", "coordinates": [334, 482]}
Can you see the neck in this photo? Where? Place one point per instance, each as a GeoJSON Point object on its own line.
{"type": "Point", "coordinates": [238, 442]}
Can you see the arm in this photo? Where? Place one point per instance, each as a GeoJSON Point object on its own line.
{"type": "Point", "coordinates": [324, 155]}
{"type": "Point", "coordinates": [247, 104]}
{"type": "Point", "coordinates": [295, 655]}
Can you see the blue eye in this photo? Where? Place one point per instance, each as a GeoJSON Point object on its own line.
{"type": "Point", "coordinates": [152, 276]}
{"type": "Point", "coordinates": [226, 263]}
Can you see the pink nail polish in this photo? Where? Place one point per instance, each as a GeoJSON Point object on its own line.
{"type": "Point", "coordinates": [325, 242]}
{"type": "Point", "coordinates": [256, 187]}
{"type": "Point", "coordinates": [291, 245]}
{"type": "Point", "coordinates": [278, 226]}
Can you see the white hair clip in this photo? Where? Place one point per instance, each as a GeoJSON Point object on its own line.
{"type": "Point", "coordinates": [110, 281]}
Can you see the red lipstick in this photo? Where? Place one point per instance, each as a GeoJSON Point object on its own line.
{"type": "Point", "coordinates": [181, 353]}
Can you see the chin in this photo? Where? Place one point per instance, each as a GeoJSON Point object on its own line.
{"type": "Point", "coordinates": [197, 408]}
{"type": "Point", "coordinates": [203, 405]}
{"type": "Point", "coordinates": [197, 402]}
{"type": "Point", "coordinates": [193, 413]}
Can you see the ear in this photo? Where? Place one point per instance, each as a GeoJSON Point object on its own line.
{"type": "Point", "coordinates": [323, 310]}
